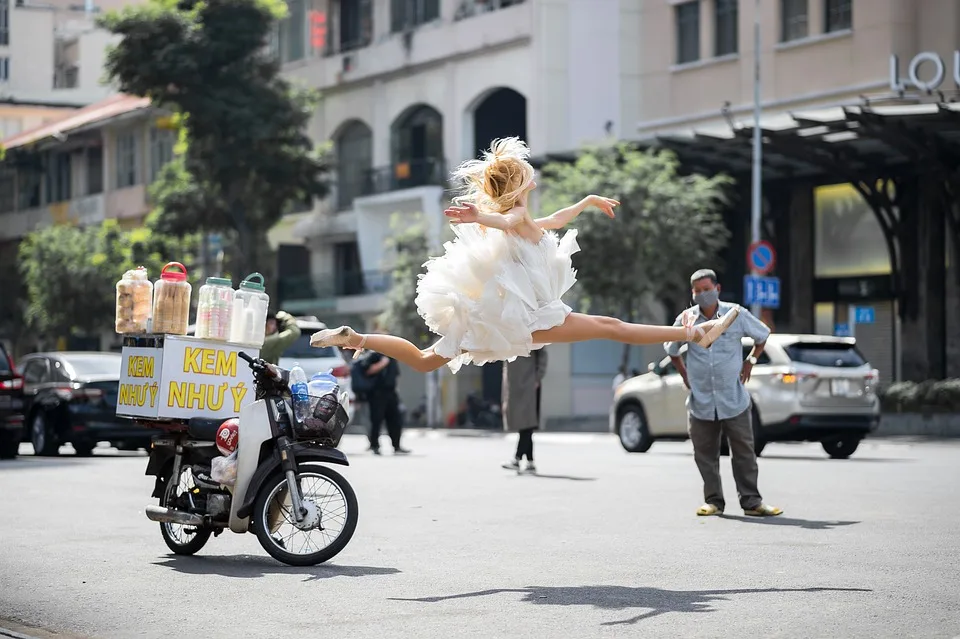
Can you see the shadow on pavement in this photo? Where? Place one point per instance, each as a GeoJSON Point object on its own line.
{"type": "Point", "coordinates": [656, 601]}
{"type": "Point", "coordinates": [849, 460]}
{"type": "Point", "coordinates": [253, 566]}
{"type": "Point", "coordinates": [808, 524]}
{"type": "Point", "coordinates": [567, 477]}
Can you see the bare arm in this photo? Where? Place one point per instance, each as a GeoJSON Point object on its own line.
{"type": "Point", "coordinates": [564, 216]}
{"type": "Point", "coordinates": [469, 213]}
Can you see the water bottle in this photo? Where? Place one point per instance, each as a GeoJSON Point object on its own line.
{"type": "Point", "coordinates": [325, 387]}
{"type": "Point", "coordinates": [299, 393]}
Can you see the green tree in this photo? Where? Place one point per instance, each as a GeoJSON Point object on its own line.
{"type": "Point", "coordinates": [668, 225]}
{"type": "Point", "coordinates": [410, 248]}
{"type": "Point", "coordinates": [70, 273]}
{"type": "Point", "coordinates": [245, 158]}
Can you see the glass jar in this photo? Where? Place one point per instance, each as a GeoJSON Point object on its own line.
{"type": "Point", "coordinates": [134, 301]}
{"type": "Point", "coordinates": [214, 309]}
{"type": "Point", "coordinates": [250, 304]}
{"type": "Point", "coordinates": [171, 301]}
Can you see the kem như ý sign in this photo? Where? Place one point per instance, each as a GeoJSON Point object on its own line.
{"type": "Point", "coordinates": [923, 59]}
{"type": "Point", "coordinates": [185, 378]}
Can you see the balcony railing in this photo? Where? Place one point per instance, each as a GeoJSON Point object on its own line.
{"type": "Point", "coordinates": [327, 289]}
{"type": "Point", "coordinates": [407, 175]}
{"type": "Point", "coordinates": [470, 8]}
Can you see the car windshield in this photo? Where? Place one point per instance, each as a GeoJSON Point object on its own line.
{"type": "Point", "coordinates": [4, 362]}
{"type": "Point", "coordinates": [301, 349]}
{"type": "Point", "coordinates": [93, 365]}
{"type": "Point", "coordinates": [829, 354]}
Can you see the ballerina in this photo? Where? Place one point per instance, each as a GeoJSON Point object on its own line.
{"type": "Point", "coordinates": [495, 293]}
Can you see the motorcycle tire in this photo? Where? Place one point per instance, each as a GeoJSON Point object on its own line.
{"type": "Point", "coordinates": [260, 514]}
{"type": "Point", "coordinates": [201, 535]}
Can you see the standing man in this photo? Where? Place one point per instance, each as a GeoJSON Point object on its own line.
{"type": "Point", "coordinates": [521, 404]}
{"type": "Point", "coordinates": [281, 332]}
{"type": "Point", "coordinates": [383, 400]}
{"type": "Point", "coordinates": [718, 404]}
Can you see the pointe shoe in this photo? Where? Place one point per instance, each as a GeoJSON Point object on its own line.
{"type": "Point", "coordinates": [341, 337]}
{"type": "Point", "coordinates": [707, 333]}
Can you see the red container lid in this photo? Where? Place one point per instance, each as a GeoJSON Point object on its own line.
{"type": "Point", "coordinates": [173, 275]}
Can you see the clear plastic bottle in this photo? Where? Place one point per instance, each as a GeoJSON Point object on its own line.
{"type": "Point", "coordinates": [171, 301]}
{"type": "Point", "coordinates": [134, 302]}
{"type": "Point", "coordinates": [323, 390]}
{"type": "Point", "coordinates": [214, 309]}
{"type": "Point", "coordinates": [299, 393]}
{"type": "Point", "coordinates": [249, 318]}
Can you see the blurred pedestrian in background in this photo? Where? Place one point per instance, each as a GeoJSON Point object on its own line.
{"type": "Point", "coordinates": [281, 332]}
{"type": "Point", "coordinates": [382, 398]}
{"type": "Point", "coordinates": [521, 404]}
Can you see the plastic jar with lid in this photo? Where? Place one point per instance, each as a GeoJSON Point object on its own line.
{"type": "Point", "coordinates": [171, 301]}
{"type": "Point", "coordinates": [214, 309]}
{"type": "Point", "coordinates": [250, 304]}
{"type": "Point", "coordinates": [134, 302]}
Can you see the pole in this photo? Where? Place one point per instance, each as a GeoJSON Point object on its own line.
{"type": "Point", "coordinates": [757, 142]}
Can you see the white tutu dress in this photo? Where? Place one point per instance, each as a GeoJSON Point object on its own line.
{"type": "Point", "coordinates": [491, 290]}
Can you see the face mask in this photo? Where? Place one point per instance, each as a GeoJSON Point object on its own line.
{"type": "Point", "coordinates": [707, 298]}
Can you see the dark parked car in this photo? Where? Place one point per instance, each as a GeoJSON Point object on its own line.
{"type": "Point", "coordinates": [72, 398]}
{"type": "Point", "coordinates": [11, 406]}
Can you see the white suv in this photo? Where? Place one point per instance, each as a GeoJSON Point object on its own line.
{"type": "Point", "coordinates": [804, 388]}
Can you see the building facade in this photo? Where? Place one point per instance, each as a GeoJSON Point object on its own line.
{"type": "Point", "coordinates": [851, 90]}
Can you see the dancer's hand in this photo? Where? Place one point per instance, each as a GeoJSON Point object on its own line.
{"type": "Point", "coordinates": [465, 214]}
{"type": "Point", "coordinates": [605, 204]}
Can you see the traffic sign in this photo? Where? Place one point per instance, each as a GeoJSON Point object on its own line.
{"type": "Point", "coordinates": [764, 291]}
{"type": "Point", "coordinates": [842, 330]}
{"type": "Point", "coordinates": [761, 257]}
{"type": "Point", "coordinates": [865, 315]}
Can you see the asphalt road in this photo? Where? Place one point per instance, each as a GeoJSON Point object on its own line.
{"type": "Point", "coordinates": [602, 544]}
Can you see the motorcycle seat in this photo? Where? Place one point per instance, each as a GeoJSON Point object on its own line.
{"type": "Point", "coordinates": [204, 429]}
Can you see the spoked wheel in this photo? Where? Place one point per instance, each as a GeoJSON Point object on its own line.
{"type": "Point", "coordinates": [326, 529]}
{"type": "Point", "coordinates": [182, 540]}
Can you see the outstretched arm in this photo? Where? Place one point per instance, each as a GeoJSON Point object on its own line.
{"type": "Point", "coordinates": [470, 213]}
{"type": "Point", "coordinates": [566, 215]}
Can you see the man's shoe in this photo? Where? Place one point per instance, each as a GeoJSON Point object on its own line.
{"type": "Point", "coordinates": [513, 464]}
{"type": "Point", "coordinates": [400, 450]}
{"type": "Point", "coordinates": [376, 451]}
{"type": "Point", "coordinates": [708, 510]}
{"type": "Point", "coordinates": [530, 468]}
{"type": "Point", "coordinates": [763, 510]}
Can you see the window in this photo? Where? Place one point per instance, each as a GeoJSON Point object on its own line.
{"type": "Point", "coordinates": [726, 29]}
{"type": "Point", "coordinates": [829, 354]}
{"type": "Point", "coordinates": [406, 14]}
{"type": "Point", "coordinates": [4, 23]}
{"type": "Point", "coordinates": [29, 190]}
{"type": "Point", "coordinates": [58, 177]}
{"type": "Point", "coordinates": [126, 159]}
{"type": "Point", "coordinates": [291, 40]}
{"type": "Point", "coordinates": [794, 20]}
{"type": "Point", "coordinates": [354, 162]}
{"type": "Point", "coordinates": [356, 24]}
{"type": "Point", "coordinates": [95, 170]}
{"type": "Point", "coordinates": [35, 372]}
{"type": "Point", "coordinates": [7, 191]}
{"type": "Point", "coordinates": [161, 150]}
{"type": "Point", "coordinates": [4, 69]}
{"type": "Point", "coordinates": [838, 15]}
{"type": "Point", "coordinates": [688, 32]}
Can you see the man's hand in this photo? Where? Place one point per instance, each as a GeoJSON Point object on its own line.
{"type": "Point", "coordinates": [745, 372]}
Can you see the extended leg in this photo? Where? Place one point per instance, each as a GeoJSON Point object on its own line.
{"type": "Point", "coordinates": [398, 348]}
{"type": "Point", "coordinates": [580, 328]}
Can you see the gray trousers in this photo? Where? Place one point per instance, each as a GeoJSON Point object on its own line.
{"type": "Point", "coordinates": [706, 437]}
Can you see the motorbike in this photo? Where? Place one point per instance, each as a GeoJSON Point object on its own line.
{"type": "Point", "coordinates": [284, 491]}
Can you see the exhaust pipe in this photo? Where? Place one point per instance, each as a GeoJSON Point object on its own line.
{"type": "Point", "coordinates": [167, 515]}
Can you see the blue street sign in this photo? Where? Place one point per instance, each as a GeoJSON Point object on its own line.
{"type": "Point", "coordinates": [761, 257]}
{"type": "Point", "coordinates": [865, 315]}
{"type": "Point", "coordinates": [764, 291]}
{"type": "Point", "coordinates": [842, 330]}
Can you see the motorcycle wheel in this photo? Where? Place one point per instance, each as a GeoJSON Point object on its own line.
{"type": "Point", "coordinates": [272, 512]}
{"type": "Point", "coordinates": [182, 540]}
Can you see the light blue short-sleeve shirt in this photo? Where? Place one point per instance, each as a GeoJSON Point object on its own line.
{"type": "Point", "coordinates": [714, 373]}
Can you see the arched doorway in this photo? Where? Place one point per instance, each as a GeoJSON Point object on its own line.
{"type": "Point", "coordinates": [502, 114]}
{"type": "Point", "coordinates": [354, 162]}
{"type": "Point", "coordinates": [417, 148]}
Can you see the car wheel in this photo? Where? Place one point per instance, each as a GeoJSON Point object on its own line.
{"type": "Point", "coordinates": [84, 448]}
{"type": "Point", "coordinates": [632, 429]}
{"type": "Point", "coordinates": [42, 437]}
{"type": "Point", "coordinates": [841, 447]}
{"type": "Point", "coordinates": [9, 444]}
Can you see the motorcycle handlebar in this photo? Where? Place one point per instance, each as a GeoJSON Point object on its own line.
{"type": "Point", "coordinates": [245, 357]}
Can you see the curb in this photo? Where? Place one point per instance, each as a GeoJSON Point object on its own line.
{"type": "Point", "coordinates": [14, 635]}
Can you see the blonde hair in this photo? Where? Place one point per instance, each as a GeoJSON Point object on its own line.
{"type": "Point", "coordinates": [496, 182]}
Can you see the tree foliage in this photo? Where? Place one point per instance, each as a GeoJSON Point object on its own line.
{"type": "Point", "coordinates": [70, 273]}
{"type": "Point", "coordinates": [667, 226]}
{"type": "Point", "coordinates": [245, 158]}
{"type": "Point", "coordinates": [411, 249]}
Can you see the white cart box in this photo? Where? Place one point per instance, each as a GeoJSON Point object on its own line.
{"type": "Point", "coordinates": [175, 377]}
